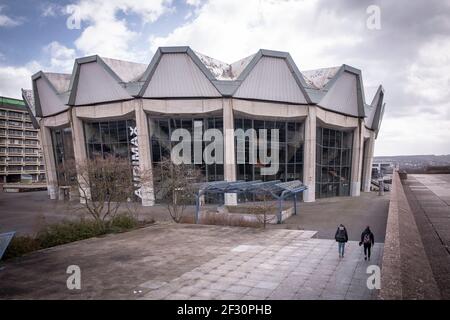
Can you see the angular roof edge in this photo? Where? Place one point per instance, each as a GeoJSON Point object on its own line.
{"type": "Point", "coordinates": [359, 88]}
{"type": "Point", "coordinates": [37, 102]}
{"type": "Point", "coordinates": [276, 54]}
{"type": "Point", "coordinates": [379, 111]}
{"type": "Point", "coordinates": [225, 87]}
{"type": "Point", "coordinates": [76, 75]}
{"type": "Point", "coordinates": [29, 108]}
{"type": "Point", "coordinates": [148, 74]}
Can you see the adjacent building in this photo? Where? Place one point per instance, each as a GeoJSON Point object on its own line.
{"type": "Point", "coordinates": [20, 153]}
{"type": "Point", "coordinates": [327, 129]}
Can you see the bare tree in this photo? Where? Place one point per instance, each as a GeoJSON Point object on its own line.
{"type": "Point", "coordinates": [105, 183]}
{"type": "Point", "coordinates": [174, 185]}
{"type": "Point", "coordinates": [264, 210]}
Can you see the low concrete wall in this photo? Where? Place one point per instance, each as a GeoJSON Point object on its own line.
{"type": "Point", "coordinates": [406, 271]}
{"type": "Point", "coordinates": [235, 218]}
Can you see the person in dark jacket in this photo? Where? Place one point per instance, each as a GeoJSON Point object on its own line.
{"type": "Point", "coordinates": [341, 237]}
{"type": "Point", "coordinates": [368, 240]}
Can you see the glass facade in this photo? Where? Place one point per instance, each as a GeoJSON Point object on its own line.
{"type": "Point", "coordinates": [161, 145]}
{"type": "Point", "coordinates": [161, 130]}
{"type": "Point", "coordinates": [108, 138]}
{"type": "Point", "coordinates": [291, 145]}
{"type": "Point", "coordinates": [63, 151]}
{"type": "Point", "coordinates": [333, 162]}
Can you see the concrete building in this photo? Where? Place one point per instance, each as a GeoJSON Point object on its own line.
{"type": "Point", "coordinates": [327, 130]}
{"type": "Point", "coordinates": [381, 168]}
{"type": "Point", "coordinates": [20, 153]}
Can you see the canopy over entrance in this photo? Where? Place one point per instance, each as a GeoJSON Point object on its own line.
{"type": "Point", "coordinates": [276, 188]}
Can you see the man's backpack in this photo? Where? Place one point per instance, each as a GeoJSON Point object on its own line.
{"type": "Point", "coordinates": [366, 239]}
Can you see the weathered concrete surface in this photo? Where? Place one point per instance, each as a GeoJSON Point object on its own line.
{"type": "Point", "coordinates": [192, 262]}
{"type": "Point", "coordinates": [429, 198]}
{"type": "Point", "coordinates": [355, 213]}
{"type": "Point", "coordinates": [406, 271]}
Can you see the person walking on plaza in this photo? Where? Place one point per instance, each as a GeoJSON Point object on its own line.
{"type": "Point", "coordinates": [367, 239]}
{"type": "Point", "coordinates": [341, 237]}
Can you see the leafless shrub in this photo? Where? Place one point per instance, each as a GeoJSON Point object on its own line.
{"type": "Point", "coordinates": [264, 210]}
{"type": "Point", "coordinates": [174, 185]}
{"type": "Point", "coordinates": [104, 184]}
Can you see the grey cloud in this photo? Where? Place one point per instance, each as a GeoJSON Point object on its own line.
{"type": "Point", "coordinates": [387, 54]}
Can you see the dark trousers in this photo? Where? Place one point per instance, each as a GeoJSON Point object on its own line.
{"type": "Point", "coordinates": [367, 247]}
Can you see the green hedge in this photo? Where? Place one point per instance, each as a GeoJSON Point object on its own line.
{"type": "Point", "coordinates": [69, 231]}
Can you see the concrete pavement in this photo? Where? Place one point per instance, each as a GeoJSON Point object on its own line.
{"type": "Point", "coordinates": [355, 213]}
{"type": "Point", "coordinates": [173, 261]}
{"type": "Point", "coordinates": [429, 198]}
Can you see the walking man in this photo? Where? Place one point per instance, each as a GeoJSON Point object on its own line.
{"type": "Point", "coordinates": [341, 237]}
{"type": "Point", "coordinates": [368, 241]}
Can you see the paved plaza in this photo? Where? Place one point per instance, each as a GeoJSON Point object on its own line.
{"type": "Point", "coordinates": [170, 261]}
{"type": "Point", "coordinates": [355, 213]}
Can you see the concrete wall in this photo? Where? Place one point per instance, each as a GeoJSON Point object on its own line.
{"type": "Point", "coordinates": [309, 163]}
{"type": "Point", "coordinates": [49, 160]}
{"type": "Point", "coordinates": [405, 272]}
{"type": "Point", "coordinates": [368, 160]}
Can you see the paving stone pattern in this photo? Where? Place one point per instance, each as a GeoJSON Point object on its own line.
{"type": "Point", "coordinates": [429, 198]}
{"type": "Point", "coordinates": [171, 261]}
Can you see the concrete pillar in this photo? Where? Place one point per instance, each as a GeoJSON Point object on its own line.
{"type": "Point", "coordinates": [50, 164]}
{"type": "Point", "coordinates": [368, 160]}
{"type": "Point", "coordinates": [229, 166]}
{"type": "Point", "coordinates": [309, 163]}
{"type": "Point", "coordinates": [145, 159]}
{"type": "Point", "coordinates": [357, 157]}
{"type": "Point", "coordinates": [79, 148]}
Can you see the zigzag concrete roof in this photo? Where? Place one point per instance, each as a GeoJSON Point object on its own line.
{"type": "Point", "coordinates": [338, 89]}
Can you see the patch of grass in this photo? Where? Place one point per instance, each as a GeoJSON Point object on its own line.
{"type": "Point", "coordinates": [70, 231]}
{"type": "Point", "coordinates": [122, 223]}
{"type": "Point", "coordinates": [20, 245]}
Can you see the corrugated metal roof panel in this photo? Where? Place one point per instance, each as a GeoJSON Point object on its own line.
{"type": "Point", "coordinates": [219, 69]}
{"type": "Point", "coordinates": [318, 78]}
{"type": "Point", "coordinates": [178, 76]}
{"type": "Point", "coordinates": [60, 81]}
{"type": "Point", "coordinates": [342, 96]}
{"type": "Point", "coordinates": [28, 97]}
{"type": "Point", "coordinates": [95, 85]}
{"type": "Point", "coordinates": [49, 101]}
{"type": "Point", "coordinates": [271, 80]}
{"type": "Point", "coordinates": [127, 71]}
{"type": "Point", "coordinates": [239, 66]}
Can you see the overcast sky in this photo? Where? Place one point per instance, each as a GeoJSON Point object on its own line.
{"type": "Point", "coordinates": [409, 54]}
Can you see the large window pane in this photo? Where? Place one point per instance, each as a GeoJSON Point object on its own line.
{"type": "Point", "coordinates": [161, 144]}
{"type": "Point", "coordinates": [108, 138]}
{"type": "Point", "coordinates": [333, 162]}
{"type": "Point", "coordinates": [64, 154]}
{"type": "Point", "coordinates": [290, 150]}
